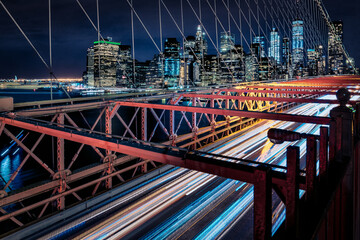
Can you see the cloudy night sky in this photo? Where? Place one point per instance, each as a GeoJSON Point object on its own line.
{"type": "Point", "coordinates": [73, 32]}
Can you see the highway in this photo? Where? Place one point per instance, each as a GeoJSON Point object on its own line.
{"type": "Point", "coordinates": [184, 204]}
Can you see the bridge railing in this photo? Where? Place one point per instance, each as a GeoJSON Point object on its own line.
{"type": "Point", "coordinates": [330, 208]}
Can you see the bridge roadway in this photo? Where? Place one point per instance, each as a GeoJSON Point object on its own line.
{"type": "Point", "coordinates": [186, 204]}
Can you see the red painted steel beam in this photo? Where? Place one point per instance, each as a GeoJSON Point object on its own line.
{"type": "Point", "coordinates": [160, 156]}
{"type": "Point", "coordinates": [13, 198]}
{"type": "Point", "coordinates": [280, 86]}
{"type": "Point", "coordinates": [220, 168]}
{"type": "Point", "coordinates": [68, 192]}
{"type": "Point", "coordinates": [276, 91]}
{"type": "Point", "coordinates": [272, 99]}
{"type": "Point", "coordinates": [46, 111]}
{"type": "Point", "coordinates": [235, 113]}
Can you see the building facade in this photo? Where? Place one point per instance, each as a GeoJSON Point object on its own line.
{"type": "Point", "coordinates": [274, 49]}
{"type": "Point", "coordinates": [105, 63]}
{"type": "Point", "coordinates": [336, 56]}
{"type": "Point", "coordinates": [298, 46]}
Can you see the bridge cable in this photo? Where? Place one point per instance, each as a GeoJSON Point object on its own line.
{"type": "Point", "coordinates": [50, 51]}
{"type": "Point", "coordinates": [32, 45]}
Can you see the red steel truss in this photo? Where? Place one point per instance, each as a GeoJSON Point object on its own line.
{"type": "Point", "coordinates": [238, 107]}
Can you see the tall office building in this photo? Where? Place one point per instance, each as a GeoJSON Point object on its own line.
{"type": "Point", "coordinates": [88, 76]}
{"type": "Point", "coordinates": [189, 48]}
{"type": "Point", "coordinates": [105, 63]}
{"type": "Point", "coordinates": [125, 72]}
{"type": "Point", "coordinates": [210, 74]}
{"type": "Point", "coordinates": [171, 62]}
{"type": "Point", "coordinates": [336, 56]}
{"type": "Point", "coordinates": [201, 46]}
{"type": "Point", "coordinates": [297, 42]}
{"type": "Point", "coordinates": [320, 60]}
{"type": "Point", "coordinates": [261, 41]}
{"type": "Point", "coordinates": [227, 42]}
{"type": "Point", "coordinates": [286, 57]}
{"type": "Point", "coordinates": [274, 49]}
{"type": "Point", "coordinates": [255, 50]}
{"type": "Point", "coordinates": [251, 68]}
{"type": "Point", "coordinates": [232, 65]}
{"type": "Point", "coordinates": [312, 62]}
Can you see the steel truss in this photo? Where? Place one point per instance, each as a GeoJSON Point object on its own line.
{"type": "Point", "coordinates": [223, 110]}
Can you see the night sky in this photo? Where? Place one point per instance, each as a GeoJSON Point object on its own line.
{"type": "Point", "coordinates": [73, 33]}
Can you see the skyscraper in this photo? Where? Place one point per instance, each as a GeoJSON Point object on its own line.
{"type": "Point", "coordinates": [336, 56]}
{"type": "Point", "coordinates": [124, 75]}
{"type": "Point", "coordinates": [312, 62]}
{"type": "Point", "coordinates": [320, 60]}
{"type": "Point", "coordinates": [227, 42]}
{"type": "Point", "coordinates": [201, 46]}
{"type": "Point", "coordinates": [274, 49]}
{"type": "Point", "coordinates": [286, 57]}
{"type": "Point", "coordinates": [89, 74]}
{"type": "Point", "coordinates": [297, 42]}
{"type": "Point", "coordinates": [255, 50]}
{"type": "Point", "coordinates": [105, 63]}
{"type": "Point", "coordinates": [261, 41]}
{"type": "Point", "coordinates": [251, 68]}
{"type": "Point", "coordinates": [171, 62]}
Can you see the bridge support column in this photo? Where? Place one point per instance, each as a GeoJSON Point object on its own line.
{"type": "Point", "coordinates": [144, 133]}
{"type": "Point", "coordinates": [60, 202]}
{"type": "Point", "coordinates": [311, 156]}
{"type": "Point", "coordinates": [194, 124]}
{"type": "Point", "coordinates": [227, 118]}
{"type": "Point", "coordinates": [262, 204]}
{"type": "Point", "coordinates": [172, 128]}
{"type": "Point", "coordinates": [212, 118]}
{"type": "Point", "coordinates": [292, 192]}
{"type": "Point", "coordinates": [323, 155]}
{"type": "Point", "coordinates": [109, 158]}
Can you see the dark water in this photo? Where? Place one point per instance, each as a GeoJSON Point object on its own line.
{"type": "Point", "coordinates": [24, 95]}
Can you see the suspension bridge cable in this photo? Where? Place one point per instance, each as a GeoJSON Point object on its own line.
{"type": "Point", "coordinates": [32, 45]}
{"type": "Point", "coordinates": [50, 51]}
{"type": "Point", "coordinates": [133, 44]}
{"type": "Point", "coordinates": [25, 36]}
{"type": "Point", "coordinates": [143, 25]}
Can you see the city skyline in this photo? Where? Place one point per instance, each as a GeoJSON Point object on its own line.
{"type": "Point", "coordinates": [70, 40]}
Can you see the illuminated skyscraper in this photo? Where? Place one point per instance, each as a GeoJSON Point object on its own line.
{"type": "Point", "coordinates": [89, 73]}
{"type": "Point", "coordinates": [227, 42]}
{"type": "Point", "coordinates": [171, 61]}
{"type": "Point", "coordinates": [320, 60]}
{"type": "Point", "coordinates": [105, 63]}
{"type": "Point", "coordinates": [261, 41]}
{"type": "Point", "coordinates": [297, 42]}
{"type": "Point", "coordinates": [251, 68]}
{"type": "Point", "coordinates": [312, 62]}
{"type": "Point", "coordinates": [124, 75]}
{"type": "Point", "coordinates": [201, 46]}
{"type": "Point", "coordinates": [274, 49]}
{"type": "Point", "coordinates": [336, 56]}
{"type": "Point", "coordinates": [286, 57]}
